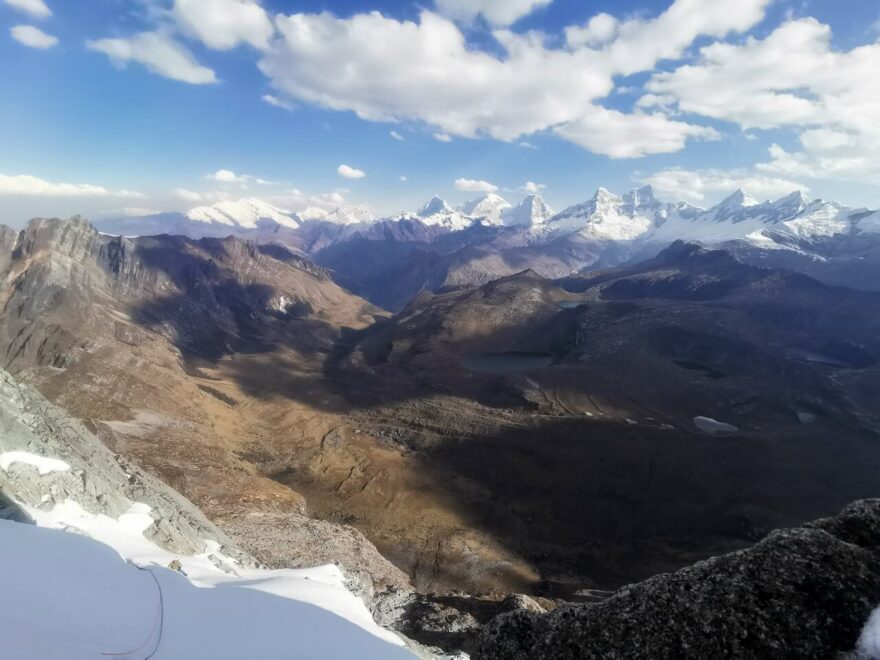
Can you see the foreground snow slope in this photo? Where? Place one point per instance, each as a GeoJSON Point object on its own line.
{"type": "Point", "coordinates": [77, 572]}
{"type": "Point", "coordinates": [71, 597]}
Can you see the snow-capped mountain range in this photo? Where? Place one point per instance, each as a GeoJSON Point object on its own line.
{"type": "Point", "coordinates": [825, 239]}
{"type": "Point", "coordinates": [634, 216]}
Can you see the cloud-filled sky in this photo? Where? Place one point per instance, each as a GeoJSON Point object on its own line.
{"type": "Point", "coordinates": [136, 106]}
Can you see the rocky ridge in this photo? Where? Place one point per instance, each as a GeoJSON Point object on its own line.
{"type": "Point", "coordinates": [805, 592]}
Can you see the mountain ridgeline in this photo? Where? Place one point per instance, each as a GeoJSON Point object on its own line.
{"type": "Point", "coordinates": [390, 260]}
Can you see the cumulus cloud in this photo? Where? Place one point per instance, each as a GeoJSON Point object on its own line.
{"type": "Point", "coordinates": [620, 135]}
{"type": "Point", "coordinates": [388, 70]}
{"type": "Point", "coordinates": [160, 53]}
{"type": "Point", "coordinates": [475, 185]}
{"type": "Point", "coordinates": [30, 186]}
{"type": "Point", "coordinates": [230, 177]}
{"type": "Point", "coordinates": [226, 176]}
{"type": "Point", "coordinates": [403, 179]}
{"type": "Point", "coordinates": [698, 186]}
{"type": "Point", "coordinates": [33, 37]}
{"type": "Point", "coordinates": [350, 172]}
{"type": "Point", "coordinates": [187, 195]}
{"type": "Point", "coordinates": [496, 12]}
{"type": "Point", "coordinates": [278, 103]}
{"type": "Point", "coordinates": [533, 188]}
{"type": "Point", "coordinates": [397, 136]}
{"type": "Point", "coordinates": [599, 30]}
{"type": "Point", "coordinates": [442, 137]}
{"type": "Point", "coordinates": [224, 24]}
{"type": "Point", "coordinates": [793, 78]}
{"type": "Point", "coordinates": [36, 8]}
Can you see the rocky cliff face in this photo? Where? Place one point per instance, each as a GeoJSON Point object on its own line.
{"type": "Point", "coordinates": [799, 593]}
{"type": "Point", "coordinates": [95, 478]}
{"type": "Point", "coordinates": [121, 333]}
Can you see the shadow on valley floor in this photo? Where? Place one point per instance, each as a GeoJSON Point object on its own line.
{"type": "Point", "coordinates": [595, 505]}
{"type": "Point", "coordinates": [617, 505]}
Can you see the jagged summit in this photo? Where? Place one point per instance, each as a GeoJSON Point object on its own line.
{"type": "Point", "coordinates": [245, 213]}
{"type": "Point", "coordinates": [488, 208]}
{"type": "Point", "coordinates": [737, 200]}
{"type": "Point", "coordinates": [436, 205]}
{"type": "Point", "coordinates": [531, 211]}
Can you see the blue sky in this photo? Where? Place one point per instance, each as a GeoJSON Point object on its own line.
{"type": "Point", "coordinates": [675, 94]}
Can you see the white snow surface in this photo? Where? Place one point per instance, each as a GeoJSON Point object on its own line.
{"type": "Point", "coordinates": [489, 208]}
{"type": "Point", "coordinates": [610, 217]}
{"type": "Point", "coordinates": [244, 213]}
{"type": "Point", "coordinates": [782, 224]}
{"type": "Point", "coordinates": [868, 647]}
{"type": "Point", "coordinates": [74, 596]}
{"type": "Point", "coordinates": [437, 213]}
{"type": "Point", "coordinates": [713, 426]}
{"type": "Point", "coordinates": [43, 465]}
{"type": "Point", "coordinates": [530, 212]}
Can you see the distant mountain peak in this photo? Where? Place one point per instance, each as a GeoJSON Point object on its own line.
{"type": "Point", "coordinates": [797, 199]}
{"type": "Point", "coordinates": [739, 199]}
{"type": "Point", "coordinates": [531, 211]}
{"type": "Point", "coordinates": [245, 213]}
{"type": "Point", "coordinates": [489, 207]}
{"type": "Point", "coordinates": [435, 206]}
{"type": "Point", "coordinates": [603, 194]}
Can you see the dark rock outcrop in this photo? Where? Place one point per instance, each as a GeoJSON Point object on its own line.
{"type": "Point", "coordinates": [800, 593]}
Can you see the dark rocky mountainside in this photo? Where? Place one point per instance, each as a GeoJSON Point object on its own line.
{"type": "Point", "coordinates": [805, 592]}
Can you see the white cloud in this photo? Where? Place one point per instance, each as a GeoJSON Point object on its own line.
{"type": "Point", "coordinates": [226, 176]}
{"type": "Point", "coordinates": [526, 145]}
{"type": "Point", "coordinates": [388, 70]}
{"type": "Point", "coordinates": [792, 78]}
{"type": "Point", "coordinates": [397, 136]}
{"type": "Point", "coordinates": [350, 172]}
{"type": "Point", "coordinates": [224, 24]}
{"type": "Point", "coordinates": [159, 53]}
{"type": "Point", "coordinates": [620, 135]}
{"type": "Point", "coordinates": [698, 186]}
{"type": "Point", "coordinates": [496, 12]}
{"type": "Point", "coordinates": [187, 195]}
{"type": "Point", "coordinates": [474, 185]}
{"type": "Point", "coordinates": [404, 179]}
{"type": "Point", "coordinates": [641, 43]}
{"type": "Point", "coordinates": [533, 188]}
{"type": "Point", "coordinates": [443, 137]}
{"type": "Point", "coordinates": [36, 8]}
{"type": "Point", "coordinates": [278, 103]}
{"type": "Point", "coordinates": [599, 30]}
{"type": "Point", "coordinates": [33, 37]}
{"type": "Point", "coordinates": [31, 186]}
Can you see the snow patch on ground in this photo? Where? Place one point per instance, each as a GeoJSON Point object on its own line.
{"type": "Point", "coordinates": [41, 463]}
{"type": "Point", "coordinates": [713, 426]}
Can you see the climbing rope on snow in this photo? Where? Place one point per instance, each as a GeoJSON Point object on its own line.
{"type": "Point", "coordinates": [158, 624]}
